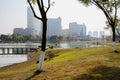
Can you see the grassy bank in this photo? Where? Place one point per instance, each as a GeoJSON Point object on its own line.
{"type": "Point", "coordinates": [68, 64]}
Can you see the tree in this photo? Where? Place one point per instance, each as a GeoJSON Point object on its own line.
{"type": "Point", "coordinates": [56, 39]}
{"type": "Point", "coordinates": [109, 8]}
{"type": "Point", "coordinates": [116, 27]}
{"type": "Point", "coordinates": [3, 38]}
{"type": "Point", "coordinates": [43, 9]}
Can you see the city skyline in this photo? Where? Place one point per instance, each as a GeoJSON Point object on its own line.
{"type": "Point", "coordinates": [14, 14]}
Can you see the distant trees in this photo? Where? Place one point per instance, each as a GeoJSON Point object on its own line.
{"type": "Point", "coordinates": [17, 38]}
{"type": "Point", "coordinates": [44, 6]}
{"type": "Point", "coordinates": [109, 8]}
{"type": "Point", "coordinates": [55, 39]}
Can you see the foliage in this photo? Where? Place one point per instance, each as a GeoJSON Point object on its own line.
{"type": "Point", "coordinates": [55, 39]}
{"type": "Point", "coordinates": [19, 38]}
{"type": "Point", "coordinates": [117, 23]}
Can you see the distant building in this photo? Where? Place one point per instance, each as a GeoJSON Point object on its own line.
{"type": "Point", "coordinates": [90, 33]}
{"type": "Point", "coordinates": [101, 34]}
{"type": "Point", "coordinates": [65, 32]}
{"type": "Point", "coordinates": [84, 29]}
{"type": "Point", "coordinates": [54, 27]}
{"type": "Point", "coordinates": [26, 31]}
{"type": "Point", "coordinates": [29, 30]}
{"type": "Point", "coordinates": [77, 31]}
{"type": "Point", "coordinates": [30, 18]}
{"type": "Point", "coordinates": [32, 23]}
{"type": "Point", "coordinates": [95, 34]}
{"type": "Point", "coordinates": [38, 26]}
{"type": "Point", "coordinates": [19, 31]}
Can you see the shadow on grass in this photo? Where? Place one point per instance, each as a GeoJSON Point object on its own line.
{"type": "Point", "coordinates": [101, 73]}
{"type": "Point", "coordinates": [116, 51]}
{"type": "Point", "coordinates": [35, 74]}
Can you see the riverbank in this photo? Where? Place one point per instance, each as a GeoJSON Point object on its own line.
{"type": "Point", "coordinates": [96, 63]}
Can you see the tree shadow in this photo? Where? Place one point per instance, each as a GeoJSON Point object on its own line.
{"type": "Point", "coordinates": [101, 73]}
{"type": "Point", "coordinates": [35, 74]}
{"type": "Point", "coordinates": [116, 51]}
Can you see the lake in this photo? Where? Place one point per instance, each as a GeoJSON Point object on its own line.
{"type": "Point", "coordinates": [11, 59]}
{"type": "Point", "coordinates": [66, 45]}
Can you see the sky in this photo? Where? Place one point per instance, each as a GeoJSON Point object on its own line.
{"type": "Point", "coordinates": [13, 14]}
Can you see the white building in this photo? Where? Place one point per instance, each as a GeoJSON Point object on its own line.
{"type": "Point", "coordinates": [77, 31]}
{"type": "Point", "coordinates": [54, 27]}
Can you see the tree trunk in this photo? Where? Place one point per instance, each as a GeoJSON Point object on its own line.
{"type": "Point", "coordinates": [42, 55]}
{"type": "Point", "coordinates": [41, 61]}
{"type": "Point", "coordinates": [113, 39]}
{"type": "Point", "coordinates": [118, 35]}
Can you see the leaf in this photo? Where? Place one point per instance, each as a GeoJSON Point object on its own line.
{"type": "Point", "coordinates": [85, 2]}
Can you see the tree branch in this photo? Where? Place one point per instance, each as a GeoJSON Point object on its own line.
{"type": "Point", "coordinates": [48, 6]}
{"type": "Point", "coordinates": [33, 11]}
{"type": "Point", "coordinates": [106, 14]}
{"type": "Point", "coordinates": [40, 8]}
{"type": "Point", "coordinates": [107, 11]}
{"type": "Point", "coordinates": [42, 5]}
{"type": "Point", "coordinates": [115, 12]}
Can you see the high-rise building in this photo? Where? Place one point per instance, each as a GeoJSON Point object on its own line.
{"type": "Point", "coordinates": [77, 31]}
{"type": "Point", "coordinates": [54, 27]}
{"type": "Point", "coordinates": [30, 18]}
{"type": "Point", "coordinates": [32, 23]}
{"type": "Point", "coordinates": [83, 29]}
{"type": "Point", "coordinates": [37, 25]}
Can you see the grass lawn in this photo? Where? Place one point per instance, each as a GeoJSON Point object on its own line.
{"type": "Point", "coordinates": [98, 63]}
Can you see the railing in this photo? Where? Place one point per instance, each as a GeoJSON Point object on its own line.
{"type": "Point", "coordinates": [17, 48]}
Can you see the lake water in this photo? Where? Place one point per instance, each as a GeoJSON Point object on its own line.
{"type": "Point", "coordinates": [65, 45]}
{"type": "Point", "coordinates": [11, 59]}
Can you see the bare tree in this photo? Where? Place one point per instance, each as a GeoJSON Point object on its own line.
{"type": "Point", "coordinates": [43, 9]}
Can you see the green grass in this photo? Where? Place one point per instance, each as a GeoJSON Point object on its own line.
{"type": "Point", "coordinates": [99, 63]}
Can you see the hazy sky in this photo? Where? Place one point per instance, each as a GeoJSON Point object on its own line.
{"type": "Point", "coordinates": [13, 13]}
